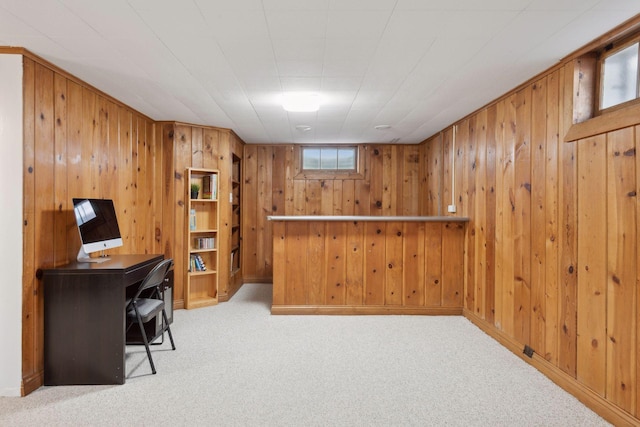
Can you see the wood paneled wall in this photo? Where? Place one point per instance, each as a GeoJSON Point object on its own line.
{"type": "Point", "coordinates": [78, 142]}
{"type": "Point", "coordinates": [184, 146]}
{"type": "Point", "coordinates": [551, 250]}
{"type": "Point", "coordinates": [391, 186]}
{"type": "Point", "coordinates": [368, 267]}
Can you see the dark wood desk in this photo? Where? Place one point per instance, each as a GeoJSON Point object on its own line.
{"type": "Point", "coordinates": [84, 319]}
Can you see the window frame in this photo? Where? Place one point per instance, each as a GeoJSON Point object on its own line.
{"type": "Point", "coordinates": [604, 53]}
{"type": "Point", "coordinates": [357, 173]}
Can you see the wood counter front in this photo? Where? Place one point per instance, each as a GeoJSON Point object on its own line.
{"type": "Point", "coordinates": [367, 265]}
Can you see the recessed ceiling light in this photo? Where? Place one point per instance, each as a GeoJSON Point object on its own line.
{"type": "Point", "coordinates": [382, 127]}
{"type": "Point", "coordinates": [301, 102]}
{"type": "Point", "coordinates": [303, 128]}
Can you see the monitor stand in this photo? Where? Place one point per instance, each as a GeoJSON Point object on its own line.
{"type": "Point", "coordinates": [84, 257]}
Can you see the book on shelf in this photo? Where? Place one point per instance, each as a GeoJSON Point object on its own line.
{"type": "Point", "coordinates": [210, 186]}
{"type": "Point", "coordinates": [204, 243]}
{"type": "Point", "coordinates": [196, 263]}
{"type": "Point", "coordinates": [192, 219]}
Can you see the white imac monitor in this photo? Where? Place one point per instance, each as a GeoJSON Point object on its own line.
{"type": "Point", "coordinates": [98, 227]}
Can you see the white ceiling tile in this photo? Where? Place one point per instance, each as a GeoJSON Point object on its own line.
{"type": "Point", "coordinates": [299, 49]}
{"type": "Point", "coordinates": [300, 68]}
{"type": "Point", "coordinates": [236, 24]}
{"type": "Point", "coordinates": [417, 64]}
{"type": "Point", "coordinates": [344, 68]}
{"type": "Point", "coordinates": [302, 84]}
{"type": "Point", "coordinates": [238, 5]}
{"type": "Point", "coordinates": [552, 5]}
{"type": "Point", "coordinates": [296, 24]}
{"type": "Point", "coordinates": [362, 4]}
{"type": "Point", "coordinates": [296, 5]}
{"type": "Point", "coordinates": [345, 24]}
{"type": "Point", "coordinates": [462, 4]}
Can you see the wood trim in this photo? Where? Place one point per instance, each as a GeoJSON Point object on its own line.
{"type": "Point", "coordinates": [362, 310]}
{"type": "Point", "coordinates": [31, 382]}
{"type": "Point", "coordinates": [614, 120]}
{"type": "Point", "coordinates": [595, 402]}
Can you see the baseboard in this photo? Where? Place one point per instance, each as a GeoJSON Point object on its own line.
{"type": "Point", "coordinates": [584, 394]}
{"type": "Point", "coordinates": [31, 383]}
{"type": "Point", "coordinates": [367, 309]}
{"type": "Point", "coordinates": [257, 279]}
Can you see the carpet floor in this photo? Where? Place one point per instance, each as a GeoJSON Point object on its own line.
{"type": "Point", "coordinates": [237, 365]}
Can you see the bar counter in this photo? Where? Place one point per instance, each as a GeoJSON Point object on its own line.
{"type": "Point", "coordinates": [368, 264]}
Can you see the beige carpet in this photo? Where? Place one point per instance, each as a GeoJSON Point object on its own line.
{"type": "Point", "coordinates": [236, 365]}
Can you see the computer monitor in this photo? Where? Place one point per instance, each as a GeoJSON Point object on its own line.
{"type": "Point", "coordinates": [98, 227]}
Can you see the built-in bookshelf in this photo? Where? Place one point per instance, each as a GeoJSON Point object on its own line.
{"type": "Point", "coordinates": [202, 238]}
{"type": "Point", "coordinates": [236, 237]}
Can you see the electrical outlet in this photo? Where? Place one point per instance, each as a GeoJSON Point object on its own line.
{"type": "Point", "coordinates": [451, 208]}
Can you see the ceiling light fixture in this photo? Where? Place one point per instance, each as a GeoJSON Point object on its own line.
{"type": "Point", "coordinates": [382, 127]}
{"type": "Point", "coordinates": [301, 102]}
{"type": "Point", "coordinates": [303, 128]}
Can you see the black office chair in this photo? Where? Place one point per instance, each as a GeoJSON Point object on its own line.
{"type": "Point", "coordinates": [141, 310]}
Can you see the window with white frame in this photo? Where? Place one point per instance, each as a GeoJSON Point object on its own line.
{"type": "Point", "coordinates": [619, 74]}
{"type": "Point", "coordinates": [329, 159]}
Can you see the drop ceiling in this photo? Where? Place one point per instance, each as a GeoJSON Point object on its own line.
{"type": "Point", "coordinates": [413, 65]}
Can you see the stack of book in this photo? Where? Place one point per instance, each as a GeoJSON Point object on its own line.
{"type": "Point", "coordinates": [204, 243]}
{"type": "Point", "coordinates": [210, 186]}
{"type": "Point", "coordinates": [197, 263]}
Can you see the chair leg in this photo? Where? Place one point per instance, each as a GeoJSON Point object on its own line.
{"type": "Point", "coordinates": [146, 342]}
{"type": "Point", "coordinates": [166, 322]}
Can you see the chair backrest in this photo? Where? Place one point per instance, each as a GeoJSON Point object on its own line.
{"type": "Point", "coordinates": [155, 276]}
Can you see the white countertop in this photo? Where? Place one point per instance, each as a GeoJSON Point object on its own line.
{"type": "Point", "coordinates": [366, 218]}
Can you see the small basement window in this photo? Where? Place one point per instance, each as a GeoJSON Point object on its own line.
{"type": "Point", "coordinates": [619, 75]}
{"type": "Point", "coordinates": [343, 159]}
{"type": "Point", "coordinates": [330, 161]}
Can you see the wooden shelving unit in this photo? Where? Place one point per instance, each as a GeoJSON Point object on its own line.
{"type": "Point", "coordinates": [202, 238]}
{"type": "Point", "coordinates": [236, 236]}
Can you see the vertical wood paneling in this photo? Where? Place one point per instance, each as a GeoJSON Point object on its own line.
{"type": "Point", "coordinates": [395, 264]}
{"type": "Point", "coordinates": [413, 263]}
{"type": "Point", "coordinates": [522, 241]}
{"type": "Point", "coordinates": [568, 238]}
{"type": "Point", "coordinates": [279, 269]}
{"type": "Point", "coordinates": [335, 259]}
{"type": "Point", "coordinates": [354, 281]}
{"type": "Point", "coordinates": [637, 350]}
{"type": "Point", "coordinates": [265, 179]}
{"type": "Point", "coordinates": [44, 192]}
{"type": "Point", "coordinates": [592, 256]}
{"type": "Point", "coordinates": [490, 232]}
{"type": "Point", "coordinates": [480, 209]}
{"type": "Point", "coordinates": [296, 261]}
{"type": "Point", "coordinates": [537, 338]}
{"type": "Point", "coordinates": [316, 282]}
{"type": "Point", "coordinates": [452, 275]}
{"type": "Point", "coordinates": [62, 223]}
{"type": "Point", "coordinates": [31, 320]}
{"type": "Point", "coordinates": [374, 258]}
{"type": "Point", "coordinates": [250, 212]}
{"type": "Point", "coordinates": [551, 219]}
{"type": "Point", "coordinates": [433, 264]}
{"type": "Point", "coordinates": [621, 269]}
{"type": "Point", "coordinates": [500, 215]}
{"type": "Point", "coordinates": [376, 183]}
{"type": "Point", "coordinates": [411, 181]}
{"type": "Point", "coordinates": [508, 219]}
